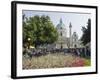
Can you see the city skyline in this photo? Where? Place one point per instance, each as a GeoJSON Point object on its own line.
{"type": "Point", "coordinates": [76, 19]}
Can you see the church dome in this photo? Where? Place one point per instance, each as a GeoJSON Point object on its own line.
{"type": "Point", "coordinates": [61, 24]}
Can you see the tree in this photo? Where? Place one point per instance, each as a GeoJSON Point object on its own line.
{"type": "Point", "coordinates": [50, 33]}
{"type": "Point", "coordinates": [29, 28]}
{"type": "Point", "coordinates": [40, 30]}
{"type": "Point", "coordinates": [86, 37]}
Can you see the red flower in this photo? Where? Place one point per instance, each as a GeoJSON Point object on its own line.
{"type": "Point", "coordinates": [78, 62]}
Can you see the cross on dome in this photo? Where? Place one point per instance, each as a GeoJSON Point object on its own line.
{"type": "Point", "coordinates": [61, 20]}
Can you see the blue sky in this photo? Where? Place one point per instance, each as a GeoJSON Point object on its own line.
{"type": "Point", "coordinates": [77, 19]}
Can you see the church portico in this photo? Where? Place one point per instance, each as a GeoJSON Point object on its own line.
{"type": "Point", "coordinates": [61, 46]}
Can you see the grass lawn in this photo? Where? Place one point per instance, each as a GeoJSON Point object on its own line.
{"type": "Point", "coordinates": [55, 61]}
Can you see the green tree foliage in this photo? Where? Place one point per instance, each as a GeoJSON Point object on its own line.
{"type": "Point", "coordinates": [86, 37]}
{"type": "Point", "coordinates": [40, 30]}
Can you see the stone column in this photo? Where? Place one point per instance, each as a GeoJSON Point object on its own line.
{"type": "Point", "coordinates": [70, 34]}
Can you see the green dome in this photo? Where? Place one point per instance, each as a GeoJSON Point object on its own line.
{"type": "Point", "coordinates": [60, 25]}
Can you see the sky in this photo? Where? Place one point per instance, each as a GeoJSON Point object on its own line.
{"type": "Point", "coordinates": [77, 19]}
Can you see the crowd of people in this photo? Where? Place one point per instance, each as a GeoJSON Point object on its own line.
{"type": "Point", "coordinates": [82, 52]}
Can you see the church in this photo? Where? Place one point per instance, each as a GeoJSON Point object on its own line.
{"type": "Point", "coordinates": [63, 40]}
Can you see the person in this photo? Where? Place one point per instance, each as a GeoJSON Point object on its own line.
{"type": "Point", "coordinates": [88, 51]}
{"type": "Point", "coordinates": [78, 53]}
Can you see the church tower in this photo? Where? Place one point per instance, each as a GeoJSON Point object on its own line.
{"type": "Point", "coordinates": [70, 34]}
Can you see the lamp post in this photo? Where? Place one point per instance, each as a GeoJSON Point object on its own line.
{"type": "Point", "coordinates": [28, 42]}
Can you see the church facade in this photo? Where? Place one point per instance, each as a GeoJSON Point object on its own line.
{"type": "Point", "coordinates": [63, 40]}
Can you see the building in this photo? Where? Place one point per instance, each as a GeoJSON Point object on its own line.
{"type": "Point", "coordinates": [62, 32]}
{"type": "Point", "coordinates": [63, 40]}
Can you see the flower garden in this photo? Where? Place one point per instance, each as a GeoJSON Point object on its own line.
{"type": "Point", "coordinates": [55, 61]}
